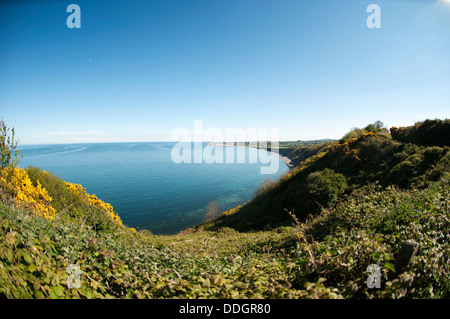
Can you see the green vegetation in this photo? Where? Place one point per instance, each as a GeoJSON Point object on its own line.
{"type": "Point", "coordinates": [377, 127]}
{"type": "Point", "coordinates": [70, 205]}
{"type": "Point", "coordinates": [326, 186]}
{"type": "Point", "coordinates": [429, 132]}
{"type": "Point", "coordinates": [8, 145]}
{"type": "Point", "coordinates": [374, 193]}
{"type": "Point", "coordinates": [366, 158]}
{"type": "Point", "coordinates": [299, 151]}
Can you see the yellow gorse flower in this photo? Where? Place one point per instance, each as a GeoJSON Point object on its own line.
{"type": "Point", "coordinates": [25, 195]}
{"type": "Point", "coordinates": [81, 193]}
{"type": "Point", "coordinates": [16, 182]}
{"type": "Point", "coordinates": [232, 211]}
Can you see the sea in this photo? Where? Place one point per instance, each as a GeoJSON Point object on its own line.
{"type": "Point", "coordinates": [147, 188]}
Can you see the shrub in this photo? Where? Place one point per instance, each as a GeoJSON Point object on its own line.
{"type": "Point", "coordinates": [212, 212]}
{"type": "Point", "coordinates": [73, 202]}
{"type": "Point", "coordinates": [63, 198]}
{"type": "Point", "coordinates": [375, 127]}
{"type": "Point", "coordinates": [16, 183]}
{"type": "Point", "coordinates": [8, 145]}
{"type": "Point", "coordinates": [355, 132]}
{"type": "Point", "coordinates": [429, 132]}
{"type": "Point", "coordinates": [266, 185]}
{"type": "Point", "coordinates": [326, 186]}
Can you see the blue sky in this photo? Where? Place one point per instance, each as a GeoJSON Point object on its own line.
{"type": "Point", "coordinates": [137, 70]}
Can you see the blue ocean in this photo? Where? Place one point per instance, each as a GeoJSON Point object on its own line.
{"type": "Point", "coordinates": [146, 187]}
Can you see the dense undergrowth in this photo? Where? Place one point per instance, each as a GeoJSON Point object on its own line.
{"type": "Point", "coordinates": [361, 157]}
{"type": "Point", "coordinates": [325, 257]}
{"type": "Point", "coordinates": [321, 255]}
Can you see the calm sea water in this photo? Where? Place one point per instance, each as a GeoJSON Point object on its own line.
{"type": "Point", "coordinates": [145, 187]}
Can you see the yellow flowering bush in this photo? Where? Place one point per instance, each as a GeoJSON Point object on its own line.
{"type": "Point", "coordinates": [76, 189]}
{"type": "Point", "coordinates": [232, 211]}
{"type": "Point", "coordinates": [347, 147]}
{"type": "Point", "coordinates": [105, 206]}
{"type": "Point", "coordinates": [16, 182]}
{"type": "Point", "coordinates": [81, 193]}
{"type": "Point", "coordinates": [369, 134]}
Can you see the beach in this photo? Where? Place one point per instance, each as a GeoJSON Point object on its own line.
{"type": "Point", "coordinates": [285, 159]}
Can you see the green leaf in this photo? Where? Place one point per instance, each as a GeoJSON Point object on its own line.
{"type": "Point", "coordinates": [9, 255]}
{"type": "Point", "coordinates": [39, 295]}
{"type": "Point", "coordinates": [389, 266]}
{"type": "Point", "coordinates": [36, 286]}
{"type": "Point", "coordinates": [53, 294]}
{"type": "Point", "coordinates": [89, 294]}
{"type": "Point", "coordinates": [27, 257]}
{"type": "Point", "coordinates": [57, 292]}
{"type": "Point", "coordinates": [31, 267]}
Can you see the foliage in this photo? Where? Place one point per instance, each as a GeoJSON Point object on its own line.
{"type": "Point", "coordinates": [326, 186]}
{"type": "Point", "coordinates": [80, 192]}
{"type": "Point", "coordinates": [42, 193]}
{"type": "Point", "coordinates": [354, 133]}
{"type": "Point", "coordinates": [370, 157]}
{"type": "Point", "coordinates": [429, 132]}
{"type": "Point", "coordinates": [369, 227]}
{"type": "Point", "coordinates": [212, 212]}
{"type": "Point", "coordinates": [299, 151]}
{"type": "Point", "coordinates": [16, 184]}
{"type": "Point", "coordinates": [266, 185]}
{"type": "Point", "coordinates": [231, 211]}
{"type": "Point", "coordinates": [324, 257]}
{"type": "Point", "coordinates": [8, 145]}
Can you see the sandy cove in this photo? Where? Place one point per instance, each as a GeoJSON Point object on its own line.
{"type": "Point", "coordinates": [285, 159]}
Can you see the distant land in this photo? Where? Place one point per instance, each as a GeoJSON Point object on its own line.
{"type": "Point", "coordinates": [291, 152]}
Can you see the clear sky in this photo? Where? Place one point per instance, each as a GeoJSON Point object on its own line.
{"type": "Point", "coordinates": [137, 70]}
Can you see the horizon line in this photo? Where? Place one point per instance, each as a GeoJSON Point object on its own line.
{"type": "Point", "coordinates": [121, 142]}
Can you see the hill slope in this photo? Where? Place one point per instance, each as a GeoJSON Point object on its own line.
{"type": "Point", "coordinates": [368, 158]}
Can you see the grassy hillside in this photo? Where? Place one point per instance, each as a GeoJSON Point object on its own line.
{"type": "Point", "coordinates": [299, 151]}
{"type": "Point", "coordinates": [46, 225]}
{"type": "Point", "coordinates": [366, 158]}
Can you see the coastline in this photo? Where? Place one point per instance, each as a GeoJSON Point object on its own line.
{"type": "Point", "coordinates": [285, 159]}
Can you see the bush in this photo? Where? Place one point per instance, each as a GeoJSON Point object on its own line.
{"type": "Point", "coordinates": [326, 186]}
{"type": "Point", "coordinates": [266, 185]}
{"type": "Point", "coordinates": [62, 197]}
{"type": "Point", "coordinates": [355, 132]}
{"type": "Point", "coordinates": [429, 132]}
{"type": "Point", "coordinates": [418, 165]}
{"type": "Point", "coordinates": [71, 201]}
{"type": "Point", "coordinates": [212, 212]}
{"type": "Point", "coordinates": [8, 145]}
